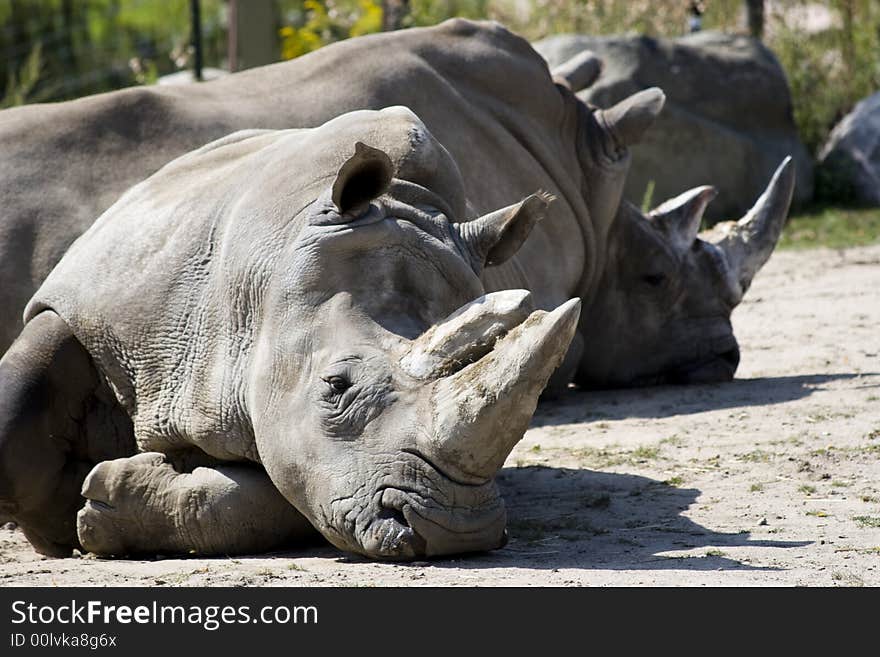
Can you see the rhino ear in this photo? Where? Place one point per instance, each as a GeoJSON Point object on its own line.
{"type": "Point", "coordinates": [363, 177]}
{"type": "Point", "coordinates": [495, 237]}
{"type": "Point", "coordinates": [679, 218]}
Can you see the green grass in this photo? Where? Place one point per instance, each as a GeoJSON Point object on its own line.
{"type": "Point", "coordinates": [831, 227]}
{"type": "Point", "coordinates": [645, 453]}
{"type": "Point", "coordinates": [867, 521]}
{"type": "Point", "coordinates": [607, 457]}
{"type": "Point", "coordinates": [757, 456]}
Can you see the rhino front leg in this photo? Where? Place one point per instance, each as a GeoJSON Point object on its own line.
{"type": "Point", "coordinates": [57, 419]}
{"type": "Point", "coordinates": [142, 505]}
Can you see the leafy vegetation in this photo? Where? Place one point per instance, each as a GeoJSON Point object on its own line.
{"type": "Point", "coordinates": [88, 46]}
{"type": "Point", "coordinates": [311, 24]}
{"type": "Point", "coordinates": [20, 84]}
{"type": "Point", "coordinates": [830, 70]}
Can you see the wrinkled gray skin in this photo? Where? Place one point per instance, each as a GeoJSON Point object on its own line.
{"type": "Point", "coordinates": [656, 297]}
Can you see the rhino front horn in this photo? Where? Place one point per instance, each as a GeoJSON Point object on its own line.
{"type": "Point", "coordinates": [748, 243]}
{"type": "Point", "coordinates": [481, 411]}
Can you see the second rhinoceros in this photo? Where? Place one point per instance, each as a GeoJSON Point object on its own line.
{"type": "Point", "coordinates": [201, 321]}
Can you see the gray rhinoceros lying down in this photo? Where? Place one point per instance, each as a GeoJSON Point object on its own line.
{"type": "Point", "coordinates": [301, 313]}
{"type": "Point", "coordinates": [657, 301]}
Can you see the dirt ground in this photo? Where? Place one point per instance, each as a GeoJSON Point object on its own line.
{"type": "Point", "coordinates": [773, 479]}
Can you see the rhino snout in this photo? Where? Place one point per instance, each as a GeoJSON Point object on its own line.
{"type": "Point", "coordinates": [419, 513]}
{"type": "Point", "coordinates": [718, 367]}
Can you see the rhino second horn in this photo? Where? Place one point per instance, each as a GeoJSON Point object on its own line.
{"type": "Point", "coordinates": [579, 72]}
{"type": "Point", "coordinates": [628, 120]}
{"type": "Point", "coordinates": [466, 335]}
{"type": "Point", "coordinates": [748, 243]}
{"type": "Point", "coordinates": [495, 237]}
{"type": "Point", "coordinates": [680, 217]}
{"type": "Point", "coordinates": [482, 411]}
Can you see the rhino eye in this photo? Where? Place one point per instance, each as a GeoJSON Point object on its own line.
{"type": "Point", "coordinates": [338, 384]}
{"type": "Point", "coordinates": [654, 280]}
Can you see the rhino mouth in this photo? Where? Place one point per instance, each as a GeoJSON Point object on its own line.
{"type": "Point", "coordinates": [405, 520]}
{"type": "Point", "coordinates": [719, 367]}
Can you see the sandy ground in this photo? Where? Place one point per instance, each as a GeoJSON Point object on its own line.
{"type": "Point", "coordinates": [773, 479]}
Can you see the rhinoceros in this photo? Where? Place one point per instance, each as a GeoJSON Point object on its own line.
{"type": "Point", "coordinates": [200, 347]}
{"type": "Point", "coordinates": [281, 332]}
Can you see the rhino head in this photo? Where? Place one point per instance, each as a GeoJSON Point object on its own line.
{"type": "Point", "coordinates": [387, 388]}
{"type": "Point", "coordinates": [661, 313]}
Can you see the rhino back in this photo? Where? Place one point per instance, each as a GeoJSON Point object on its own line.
{"type": "Point", "coordinates": [482, 91]}
{"type": "Point", "coordinates": [64, 164]}
{"type": "Point", "coordinates": [138, 289]}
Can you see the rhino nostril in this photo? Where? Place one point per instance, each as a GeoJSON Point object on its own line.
{"type": "Point", "coordinates": [731, 356]}
{"type": "Point", "coordinates": [401, 540]}
{"type": "Point", "coordinates": [388, 513]}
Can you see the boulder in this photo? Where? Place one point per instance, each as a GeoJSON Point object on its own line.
{"type": "Point", "coordinates": [728, 119]}
{"type": "Point", "coordinates": [849, 162]}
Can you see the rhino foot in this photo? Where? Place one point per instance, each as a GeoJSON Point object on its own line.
{"type": "Point", "coordinates": [142, 505]}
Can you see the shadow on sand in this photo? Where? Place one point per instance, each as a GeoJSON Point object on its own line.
{"type": "Point", "coordinates": [576, 405]}
{"type": "Point", "coordinates": [620, 522]}
{"type": "Point", "coordinates": [582, 519]}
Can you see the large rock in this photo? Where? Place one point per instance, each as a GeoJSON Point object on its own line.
{"type": "Point", "coordinates": [850, 160]}
{"type": "Point", "coordinates": [728, 119]}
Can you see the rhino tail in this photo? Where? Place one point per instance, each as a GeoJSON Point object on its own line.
{"type": "Point", "coordinates": [578, 72]}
